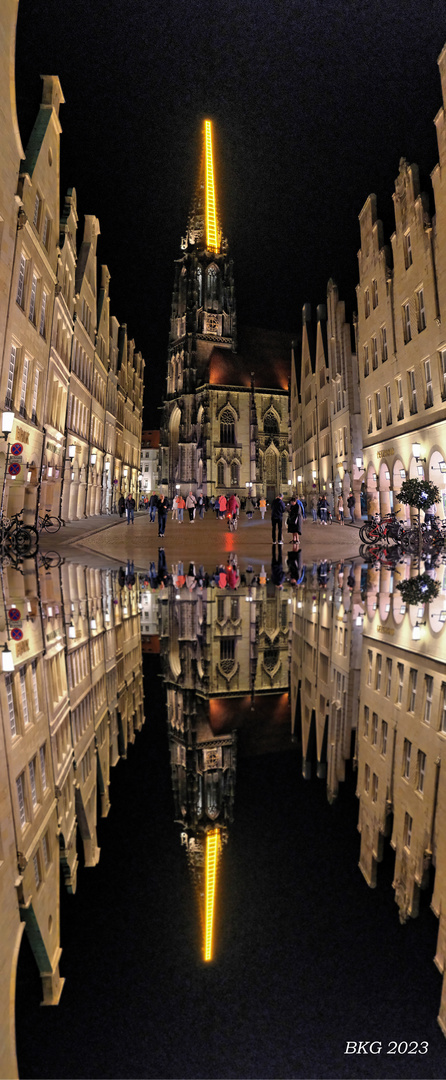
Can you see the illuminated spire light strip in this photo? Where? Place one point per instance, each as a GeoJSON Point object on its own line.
{"type": "Point", "coordinates": [209, 902]}
{"type": "Point", "coordinates": [211, 214]}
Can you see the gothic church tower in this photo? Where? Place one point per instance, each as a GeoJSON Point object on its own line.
{"type": "Point", "coordinates": [203, 318]}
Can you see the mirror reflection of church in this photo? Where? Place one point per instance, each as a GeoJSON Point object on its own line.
{"type": "Point", "coordinates": [225, 659]}
{"type": "Point", "coordinates": [226, 412]}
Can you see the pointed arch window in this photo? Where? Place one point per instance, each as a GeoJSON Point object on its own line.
{"type": "Point", "coordinates": [235, 474]}
{"type": "Point", "coordinates": [270, 424]}
{"type": "Point", "coordinates": [212, 288]}
{"type": "Point", "coordinates": [284, 468]}
{"type": "Point", "coordinates": [200, 286]}
{"type": "Point", "coordinates": [227, 428]}
{"type": "Point", "coordinates": [221, 474]}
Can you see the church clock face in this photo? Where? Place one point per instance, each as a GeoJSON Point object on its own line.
{"type": "Point", "coordinates": [212, 323]}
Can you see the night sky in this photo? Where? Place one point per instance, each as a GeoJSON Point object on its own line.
{"type": "Point", "coordinates": [313, 105]}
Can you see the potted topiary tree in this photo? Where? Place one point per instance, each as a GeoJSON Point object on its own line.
{"type": "Point", "coordinates": [420, 494]}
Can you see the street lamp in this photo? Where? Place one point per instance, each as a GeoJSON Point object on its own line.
{"type": "Point", "coordinates": [71, 451]}
{"type": "Point", "coordinates": [93, 459]}
{"type": "Point", "coordinates": [416, 450]}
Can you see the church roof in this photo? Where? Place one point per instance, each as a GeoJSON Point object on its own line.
{"type": "Point", "coordinates": [264, 354]}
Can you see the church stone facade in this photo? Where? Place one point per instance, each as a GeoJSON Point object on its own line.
{"type": "Point", "coordinates": [226, 413]}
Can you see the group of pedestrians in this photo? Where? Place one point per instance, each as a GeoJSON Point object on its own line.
{"type": "Point", "coordinates": [230, 506]}
{"type": "Point", "coordinates": [296, 515]}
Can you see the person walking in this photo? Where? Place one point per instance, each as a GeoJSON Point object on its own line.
{"type": "Point", "coordinates": [313, 505]}
{"type": "Point", "coordinates": [341, 509]}
{"type": "Point", "coordinates": [294, 522]}
{"type": "Point", "coordinates": [121, 506]}
{"type": "Point", "coordinates": [262, 508]}
{"type": "Point", "coordinates": [181, 507]}
{"type": "Point", "coordinates": [233, 507]}
{"type": "Point", "coordinates": [201, 505]}
{"type": "Point", "coordinates": [222, 506]}
{"type": "Point", "coordinates": [351, 501]}
{"type": "Point", "coordinates": [163, 507]}
{"type": "Point", "coordinates": [191, 503]}
{"type": "Point", "coordinates": [277, 511]}
{"type": "Point", "coordinates": [175, 508]}
{"type": "Point", "coordinates": [130, 505]}
{"type": "Point", "coordinates": [153, 502]}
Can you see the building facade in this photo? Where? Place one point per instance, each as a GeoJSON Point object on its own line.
{"type": "Point", "coordinates": [401, 342]}
{"type": "Point", "coordinates": [68, 373]}
{"type": "Point", "coordinates": [226, 412]}
{"type": "Point", "coordinates": [325, 408]}
{"type": "Point", "coordinates": [150, 441]}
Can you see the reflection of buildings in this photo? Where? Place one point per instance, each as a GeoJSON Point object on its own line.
{"type": "Point", "coordinates": [226, 415]}
{"type": "Point", "coordinates": [325, 666]}
{"type": "Point", "coordinates": [222, 651]}
{"type": "Point", "coordinates": [401, 748]}
{"type": "Point", "coordinates": [68, 708]}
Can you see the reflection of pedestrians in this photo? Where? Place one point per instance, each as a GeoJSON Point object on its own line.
{"type": "Point", "coordinates": [296, 567]}
{"type": "Point", "coordinates": [130, 574]}
{"type": "Point", "coordinates": [277, 571]}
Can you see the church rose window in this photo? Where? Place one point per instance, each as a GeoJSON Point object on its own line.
{"type": "Point", "coordinates": [227, 428]}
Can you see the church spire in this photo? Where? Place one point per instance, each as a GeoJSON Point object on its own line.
{"type": "Point", "coordinates": [211, 202]}
{"type": "Point", "coordinates": [203, 227]}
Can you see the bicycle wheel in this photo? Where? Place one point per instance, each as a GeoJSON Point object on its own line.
{"type": "Point", "coordinates": [52, 524]}
{"type": "Point", "coordinates": [25, 540]}
{"type": "Point", "coordinates": [51, 558]}
{"type": "Point", "coordinates": [369, 534]}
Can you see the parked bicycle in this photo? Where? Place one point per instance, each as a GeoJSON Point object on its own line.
{"type": "Point", "coordinates": [49, 559]}
{"type": "Point", "coordinates": [16, 538]}
{"type": "Point", "coordinates": [49, 523]}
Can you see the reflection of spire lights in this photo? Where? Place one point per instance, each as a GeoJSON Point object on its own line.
{"type": "Point", "coordinates": [211, 216]}
{"type": "Point", "coordinates": [212, 844]}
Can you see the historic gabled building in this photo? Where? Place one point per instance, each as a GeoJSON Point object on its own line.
{"type": "Point", "coordinates": [401, 337]}
{"type": "Point", "coordinates": [325, 407]}
{"type": "Point", "coordinates": [226, 412]}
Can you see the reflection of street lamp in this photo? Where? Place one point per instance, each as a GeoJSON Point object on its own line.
{"type": "Point", "coordinates": [7, 658]}
{"type": "Point", "coordinates": [7, 423]}
{"type": "Point", "coordinates": [416, 632]}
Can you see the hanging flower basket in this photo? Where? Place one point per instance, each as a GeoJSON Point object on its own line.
{"type": "Point", "coordinates": [419, 493]}
{"type": "Point", "coordinates": [419, 590]}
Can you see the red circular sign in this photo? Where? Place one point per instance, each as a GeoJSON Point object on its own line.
{"type": "Point", "coordinates": [14, 614]}
{"type": "Point", "coordinates": [16, 449]}
{"type": "Point", "coordinates": [14, 468]}
{"type": "Point", "coordinates": [16, 633]}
